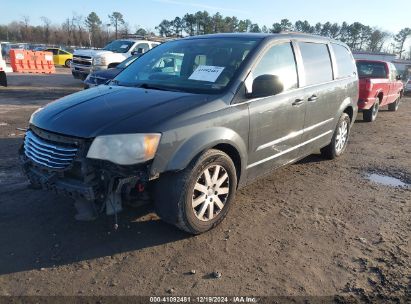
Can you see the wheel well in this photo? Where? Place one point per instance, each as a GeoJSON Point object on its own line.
{"type": "Point", "coordinates": [380, 96]}
{"type": "Point", "coordinates": [349, 111]}
{"type": "Point", "coordinates": [233, 154]}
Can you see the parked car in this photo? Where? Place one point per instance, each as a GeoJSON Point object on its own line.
{"type": "Point", "coordinates": [101, 77]}
{"type": "Point", "coordinates": [407, 89]}
{"type": "Point", "coordinates": [380, 85]}
{"type": "Point", "coordinates": [187, 137]}
{"type": "Point", "coordinates": [86, 61]}
{"type": "Point", "coordinates": [60, 57]}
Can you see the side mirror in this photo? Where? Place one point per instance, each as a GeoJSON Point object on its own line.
{"type": "Point", "coordinates": [266, 85]}
{"type": "Point", "coordinates": [113, 65]}
{"type": "Point", "coordinates": [398, 77]}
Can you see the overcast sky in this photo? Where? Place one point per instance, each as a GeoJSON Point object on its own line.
{"type": "Point", "coordinates": [387, 15]}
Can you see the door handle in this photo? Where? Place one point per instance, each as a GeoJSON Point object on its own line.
{"type": "Point", "coordinates": [313, 98]}
{"type": "Point", "coordinates": [298, 101]}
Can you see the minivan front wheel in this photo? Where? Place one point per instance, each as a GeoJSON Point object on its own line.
{"type": "Point", "coordinates": [197, 198]}
{"type": "Point", "coordinates": [339, 140]}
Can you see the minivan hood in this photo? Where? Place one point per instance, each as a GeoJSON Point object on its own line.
{"type": "Point", "coordinates": [97, 111]}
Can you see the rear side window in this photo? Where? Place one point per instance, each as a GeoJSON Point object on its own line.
{"type": "Point", "coordinates": [279, 61]}
{"type": "Point", "coordinates": [54, 51]}
{"type": "Point", "coordinates": [371, 69]}
{"type": "Point", "coordinates": [317, 63]}
{"type": "Point", "coordinates": [344, 61]}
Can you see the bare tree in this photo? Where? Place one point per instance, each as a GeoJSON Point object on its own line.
{"type": "Point", "coordinates": [46, 28]}
{"type": "Point", "coordinates": [79, 23]}
{"type": "Point", "coordinates": [26, 28]}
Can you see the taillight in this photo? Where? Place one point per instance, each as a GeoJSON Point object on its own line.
{"type": "Point", "coordinates": [368, 85]}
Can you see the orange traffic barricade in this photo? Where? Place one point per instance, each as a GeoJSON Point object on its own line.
{"type": "Point", "coordinates": [17, 58]}
{"type": "Point", "coordinates": [24, 61]}
{"type": "Point", "coordinates": [49, 67]}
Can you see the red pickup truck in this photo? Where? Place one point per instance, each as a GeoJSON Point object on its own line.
{"type": "Point", "coordinates": [379, 85]}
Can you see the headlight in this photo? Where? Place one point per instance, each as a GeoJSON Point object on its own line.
{"type": "Point", "coordinates": [99, 61]}
{"type": "Point", "coordinates": [125, 149]}
{"type": "Point", "coordinates": [34, 113]}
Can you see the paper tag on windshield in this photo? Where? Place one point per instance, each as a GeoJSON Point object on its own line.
{"type": "Point", "coordinates": [124, 46]}
{"type": "Point", "coordinates": [206, 73]}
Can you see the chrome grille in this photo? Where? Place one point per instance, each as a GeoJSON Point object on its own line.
{"type": "Point", "coordinates": [82, 60]}
{"type": "Point", "coordinates": [49, 154]}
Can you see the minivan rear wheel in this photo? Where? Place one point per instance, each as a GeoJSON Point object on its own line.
{"type": "Point", "coordinates": [371, 114]}
{"type": "Point", "coordinates": [339, 140]}
{"type": "Point", "coordinates": [197, 198]}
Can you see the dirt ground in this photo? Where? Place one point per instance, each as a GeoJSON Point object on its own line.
{"type": "Point", "coordinates": [315, 228]}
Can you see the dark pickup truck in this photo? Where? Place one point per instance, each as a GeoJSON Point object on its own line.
{"type": "Point", "coordinates": [379, 85]}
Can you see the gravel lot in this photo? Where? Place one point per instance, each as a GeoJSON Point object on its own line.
{"type": "Point", "coordinates": [315, 228]}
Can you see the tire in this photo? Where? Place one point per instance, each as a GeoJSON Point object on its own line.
{"type": "Point", "coordinates": [68, 63]}
{"type": "Point", "coordinates": [176, 193]}
{"type": "Point", "coordinates": [370, 115]}
{"type": "Point", "coordinates": [339, 140]}
{"type": "Point", "coordinates": [393, 107]}
{"type": "Point", "coordinates": [3, 79]}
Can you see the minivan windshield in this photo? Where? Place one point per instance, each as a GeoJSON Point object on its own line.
{"type": "Point", "coordinates": [119, 46]}
{"type": "Point", "coordinates": [190, 65]}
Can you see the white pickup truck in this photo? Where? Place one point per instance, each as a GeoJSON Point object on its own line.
{"type": "Point", "coordinates": [3, 70]}
{"type": "Point", "coordinates": [87, 61]}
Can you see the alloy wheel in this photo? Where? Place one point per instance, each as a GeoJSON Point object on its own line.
{"type": "Point", "coordinates": [210, 192]}
{"type": "Point", "coordinates": [342, 136]}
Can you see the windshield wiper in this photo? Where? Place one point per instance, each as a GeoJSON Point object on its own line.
{"type": "Point", "coordinates": [116, 83]}
{"type": "Point", "coordinates": [160, 88]}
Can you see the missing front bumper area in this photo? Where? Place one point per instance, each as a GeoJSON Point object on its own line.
{"type": "Point", "coordinates": [97, 187]}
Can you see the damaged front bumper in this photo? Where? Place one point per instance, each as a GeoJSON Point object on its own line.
{"type": "Point", "coordinates": [59, 164]}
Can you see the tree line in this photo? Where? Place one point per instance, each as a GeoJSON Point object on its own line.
{"type": "Point", "coordinates": [76, 30]}
{"type": "Point", "coordinates": [92, 31]}
{"type": "Point", "coordinates": [358, 36]}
